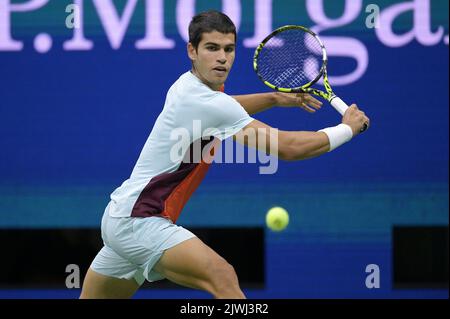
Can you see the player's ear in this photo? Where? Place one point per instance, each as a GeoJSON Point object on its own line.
{"type": "Point", "coordinates": [192, 52]}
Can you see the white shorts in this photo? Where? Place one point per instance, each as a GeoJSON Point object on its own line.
{"type": "Point", "coordinates": [132, 246]}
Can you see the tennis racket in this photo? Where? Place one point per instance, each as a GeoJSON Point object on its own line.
{"type": "Point", "coordinates": [292, 59]}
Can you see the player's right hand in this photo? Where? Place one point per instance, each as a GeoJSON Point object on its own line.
{"type": "Point", "coordinates": [356, 119]}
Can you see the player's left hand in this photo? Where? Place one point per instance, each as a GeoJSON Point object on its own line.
{"type": "Point", "coordinates": [302, 100]}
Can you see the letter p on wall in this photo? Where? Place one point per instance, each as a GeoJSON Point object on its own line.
{"type": "Point", "coordinates": [7, 43]}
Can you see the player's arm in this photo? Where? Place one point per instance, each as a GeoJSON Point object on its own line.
{"type": "Point", "coordinates": [286, 145]}
{"type": "Point", "coordinates": [255, 103]}
{"type": "Point", "coordinates": [295, 146]}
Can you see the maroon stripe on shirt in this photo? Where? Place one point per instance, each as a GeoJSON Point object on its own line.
{"type": "Point", "coordinates": [152, 199]}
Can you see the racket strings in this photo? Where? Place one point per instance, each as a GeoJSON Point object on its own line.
{"type": "Point", "coordinates": [291, 59]}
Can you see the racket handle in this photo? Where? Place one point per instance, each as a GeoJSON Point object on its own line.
{"type": "Point", "coordinates": [341, 107]}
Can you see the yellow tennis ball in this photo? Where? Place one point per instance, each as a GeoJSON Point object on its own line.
{"type": "Point", "coordinates": [277, 218]}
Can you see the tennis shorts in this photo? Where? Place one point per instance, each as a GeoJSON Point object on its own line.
{"type": "Point", "coordinates": [132, 246]}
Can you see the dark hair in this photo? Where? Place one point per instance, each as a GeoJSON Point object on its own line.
{"type": "Point", "coordinates": [207, 22]}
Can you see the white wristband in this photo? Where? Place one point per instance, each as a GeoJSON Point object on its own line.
{"type": "Point", "coordinates": [338, 135]}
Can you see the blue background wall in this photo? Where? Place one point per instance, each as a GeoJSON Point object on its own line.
{"type": "Point", "coordinates": [72, 124]}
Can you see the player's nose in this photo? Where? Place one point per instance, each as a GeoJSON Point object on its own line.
{"type": "Point", "coordinates": [221, 58]}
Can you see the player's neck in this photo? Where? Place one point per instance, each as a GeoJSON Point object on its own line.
{"type": "Point", "coordinates": [210, 85]}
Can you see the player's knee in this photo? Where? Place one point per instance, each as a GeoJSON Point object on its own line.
{"type": "Point", "coordinates": [224, 277]}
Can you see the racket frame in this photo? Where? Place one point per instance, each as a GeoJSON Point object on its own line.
{"type": "Point", "coordinates": [306, 88]}
{"type": "Point", "coordinates": [329, 95]}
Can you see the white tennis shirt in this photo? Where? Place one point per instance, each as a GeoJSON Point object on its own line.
{"type": "Point", "coordinates": [162, 182]}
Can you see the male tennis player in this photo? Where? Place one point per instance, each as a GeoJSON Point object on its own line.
{"type": "Point", "coordinates": [141, 240]}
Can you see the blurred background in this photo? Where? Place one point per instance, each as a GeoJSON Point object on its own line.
{"type": "Point", "coordinates": [79, 94]}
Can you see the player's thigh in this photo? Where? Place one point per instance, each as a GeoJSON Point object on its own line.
{"type": "Point", "coordinates": [192, 263]}
{"type": "Point", "coordinates": [98, 286]}
{"type": "Point", "coordinates": [111, 276]}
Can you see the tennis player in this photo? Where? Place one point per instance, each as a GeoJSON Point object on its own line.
{"type": "Point", "coordinates": [141, 238]}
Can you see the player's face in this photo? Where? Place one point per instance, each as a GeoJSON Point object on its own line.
{"type": "Point", "coordinates": [214, 58]}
